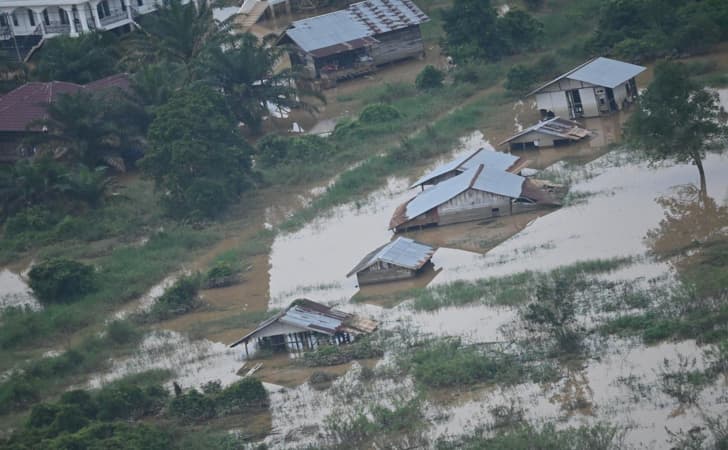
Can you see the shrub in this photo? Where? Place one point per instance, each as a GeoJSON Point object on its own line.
{"type": "Point", "coordinates": [192, 406]}
{"type": "Point", "coordinates": [122, 332]}
{"type": "Point", "coordinates": [274, 149]}
{"type": "Point", "coordinates": [179, 298]}
{"type": "Point", "coordinates": [61, 280]}
{"type": "Point", "coordinates": [379, 113]}
{"type": "Point", "coordinates": [237, 398]}
{"type": "Point", "coordinates": [429, 78]}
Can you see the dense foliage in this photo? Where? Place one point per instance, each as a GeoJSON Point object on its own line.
{"type": "Point", "coordinates": [80, 59]}
{"type": "Point", "coordinates": [429, 78]}
{"type": "Point", "coordinates": [275, 149]}
{"type": "Point", "coordinates": [60, 280]}
{"type": "Point", "coordinates": [177, 299]}
{"type": "Point", "coordinates": [640, 30]}
{"type": "Point", "coordinates": [196, 156]}
{"type": "Point", "coordinates": [475, 30]}
{"type": "Point", "coordinates": [238, 398]}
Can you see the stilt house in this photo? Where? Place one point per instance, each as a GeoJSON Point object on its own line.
{"type": "Point", "coordinates": [351, 42]}
{"type": "Point", "coordinates": [597, 87]}
{"type": "Point", "coordinates": [400, 259]}
{"type": "Point", "coordinates": [305, 325]}
{"type": "Point", "coordinates": [488, 158]}
{"type": "Point", "coordinates": [548, 133]}
{"type": "Point", "coordinates": [478, 193]}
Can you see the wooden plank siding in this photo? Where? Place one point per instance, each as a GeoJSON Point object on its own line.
{"type": "Point", "coordinates": [397, 45]}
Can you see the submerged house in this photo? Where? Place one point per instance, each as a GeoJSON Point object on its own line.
{"type": "Point", "coordinates": [351, 42]}
{"type": "Point", "coordinates": [478, 193]}
{"type": "Point", "coordinates": [548, 133]}
{"type": "Point", "coordinates": [306, 324]}
{"type": "Point", "coordinates": [24, 106]}
{"type": "Point", "coordinates": [488, 158]}
{"type": "Point", "coordinates": [598, 87]}
{"type": "Point", "coordinates": [400, 259]}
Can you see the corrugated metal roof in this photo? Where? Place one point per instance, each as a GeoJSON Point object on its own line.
{"type": "Point", "coordinates": [488, 158]}
{"type": "Point", "coordinates": [478, 177]}
{"type": "Point", "coordinates": [403, 252]}
{"type": "Point", "coordinates": [338, 27]}
{"type": "Point", "coordinates": [311, 316]}
{"type": "Point", "coordinates": [556, 126]}
{"type": "Point", "coordinates": [599, 71]}
{"type": "Point", "coordinates": [354, 27]}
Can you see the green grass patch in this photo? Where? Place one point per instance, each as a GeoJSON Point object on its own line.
{"type": "Point", "coordinates": [334, 355]}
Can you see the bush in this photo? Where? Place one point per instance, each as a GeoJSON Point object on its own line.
{"type": "Point", "coordinates": [379, 113]}
{"type": "Point", "coordinates": [122, 332]}
{"type": "Point", "coordinates": [429, 78]}
{"type": "Point", "coordinates": [177, 299]}
{"type": "Point", "coordinates": [61, 280]}
{"type": "Point", "coordinates": [237, 398]}
{"type": "Point", "coordinates": [274, 149]}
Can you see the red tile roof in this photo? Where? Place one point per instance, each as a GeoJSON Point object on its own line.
{"type": "Point", "coordinates": [27, 103]}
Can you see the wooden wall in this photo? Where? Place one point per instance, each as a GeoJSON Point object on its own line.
{"type": "Point", "coordinates": [396, 45]}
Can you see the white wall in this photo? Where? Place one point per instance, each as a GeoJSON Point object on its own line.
{"type": "Point", "coordinates": [589, 102]}
{"type": "Point", "coordinates": [620, 93]}
{"type": "Point", "coordinates": [553, 101]}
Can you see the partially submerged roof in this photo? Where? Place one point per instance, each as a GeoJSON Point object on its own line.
{"type": "Point", "coordinates": [489, 158]}
{"type": "Point", "coordinates": [599, 71]}
{"type": "Point", "coordinates": [484, 179]}
{"type": "Point", "coordinates": [561, 128]}
{"type": "Point", "coordinates": [25, 104]}
{"type": "Point", "coordinates": [308, 315]}
{"type": "Point", "coordinates": [354, 27]}
{"type": "Point", "coordinates": [403, 252]}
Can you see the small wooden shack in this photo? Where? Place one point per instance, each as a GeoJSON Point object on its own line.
{"type": "Point", "coordinates": [598, 87]}
{"type": "Point", "coordinates": [354, 41]}
{"type": "Point", "coordinates": [548, 133]}
{"type": "Point", "coordinates": [476, 194]}
{"type": "Point", "coordinates": [488, 158]}
{"type": "Point", "coordinates": [400, 259]}
{"type": "Point", "coordinates": [305, 325]}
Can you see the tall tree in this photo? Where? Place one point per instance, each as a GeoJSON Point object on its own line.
{"type": "Point", "coordinates": [676, 119]}
{"type": "Point", "coordinates": [196, 155]}
{"type": "Point", "coordinates": [176, 33]}
{"type": "Point", "coordinates": [77, 59]}
{"type": "Point", "coordinates": [243, 70]}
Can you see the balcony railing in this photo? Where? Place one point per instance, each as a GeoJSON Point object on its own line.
{"type": "Point", "coordinates": [116, 16]}
{"type": "Point", "coordinates": [58, 28]}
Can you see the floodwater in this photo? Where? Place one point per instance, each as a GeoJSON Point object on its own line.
{"type": "Point", "coordinates": [14, 291]}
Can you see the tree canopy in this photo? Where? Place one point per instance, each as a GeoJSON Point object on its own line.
{"type": "Point", "coordinates": [474, 30]}
{"type": "Point", "coordinates": [676, 119]}
{"type": "Point", "coordinates": [81, 59]}
{"type": "Point", "coordinates": [196, 156]}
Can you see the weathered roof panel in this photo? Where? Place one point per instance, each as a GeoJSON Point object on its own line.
{"type": "Point", "coordinates": [354, 27]}
{"type": "Point", "coordinates": [439, 194]}
{"type": "Point", "coordinates": [565, 129]}
{"type": "Point", "coordinates": [499, 182]}
{"type": "Point", "coordinates": [403, 252]}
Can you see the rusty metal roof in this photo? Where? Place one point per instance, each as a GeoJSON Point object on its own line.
{"type": "Point", "coordinates": [354, 27]}
{"type": "Point", "coordinates": [489, 158]}
{"type": "Point", "coordinates": [403, 252]}
{"type": "Point", "coordinates": [598, 71]}
{"type": "Point", "coordinates": [565, 129]}
{"type": "Point", "coordinates": [308, 315]}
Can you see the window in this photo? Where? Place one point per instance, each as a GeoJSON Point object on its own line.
{"type": "Point", "coordinates": [63, 16]}
{"type": "Point", "coordinates": [31, 18]}
{"type": "Point", "coordinates": [15, 19]}
{"type": "Point", "coordinates": [3, 20]}
{"type": "Point", "coordinates": [46, 19]}
{"type": "Point", "coordinates": [103, 9]}
{"type": "Point", "coordinates": [140, 2]}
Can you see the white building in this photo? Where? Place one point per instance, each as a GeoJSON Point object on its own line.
{"type": "Point", "coordinates": [27, 22]}
{"type": "Point", "coordinates": [598, 87]}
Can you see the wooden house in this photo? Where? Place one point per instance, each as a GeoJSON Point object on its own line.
{"type": "Point", "coordinates": [305, 325]}
{"type": "Point", "coordinates": [354, 41]}
{"type": "Point", "coordinates": [598, 87]}
{"type": "Point", "coordinates": [476, 194]}
{"type": "Point", "coordinates": [547, 133]}
{"type": "Point", "coordinates": [488, 158]}
{"type": "Point", "coordinates": [400, 259]}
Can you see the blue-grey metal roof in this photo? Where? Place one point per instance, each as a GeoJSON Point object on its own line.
{"type": "Point", "coordinates": [338, 27]}
{"type": "Point", "coordinates": [599, 71]}
{"type": "Point", "coordinates": [355, 26]}
{"type": "Point", "coordinates": [488, 158]}
{"type": "Point", "coordinates": [479, 177]}
{"type": "Point", "coordinates": [403, 252]}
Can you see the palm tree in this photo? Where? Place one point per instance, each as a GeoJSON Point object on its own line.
{"type": "Point", "coordinates": [87, 129]}
{"type": "Point", "coordinates": [177, 33]}
{"type": "Point", "coordinates": [243, 70]}
{"type": "Point", "coordinates": [79, 59]}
